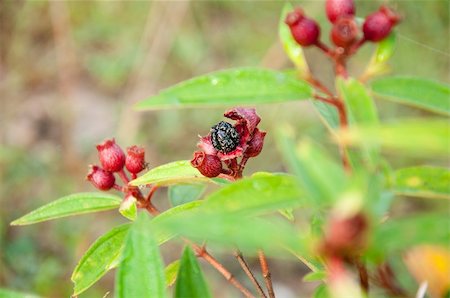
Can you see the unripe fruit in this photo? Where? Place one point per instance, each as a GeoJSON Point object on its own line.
{"type": "Point", "coordinates": [100, 178]}
{"type": "Point", "coordinates": [111, 156]}
{"type": "Point", "coordinates": [209, 165]}
{"type": "Point", "coordinates": [256, 144]}
{"type": "Point", "coordinates": [304, 30]}
{"type": "Point", "coordinates": [378, 25]}
{"type": "Point", "coordinates": [339, 8]}
{"type": "Point", "coordinates": [344, 32]}
{"type": "Point", "coordinates": [135, 159]}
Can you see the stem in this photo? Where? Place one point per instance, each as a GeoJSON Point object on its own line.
{"type": "Point", "coordinates": [151, 192]}
{"type": "Point", "coordinates": [118, 187]}
{"type": "Point", "coordinates": [316, 83]}
{"type": "Point", "coordinates": [386, 279]}
{"type": "Point", "coordinates": [247, 270]}
{"type": "Point", "coordinates": [266, 273]}
{"type": "Point", "coordinates": [324, 48]}
{"type": "Point", "coordinates": [123, 176]}
{"type": "Point", "coordinates": [202, 253]}
{"type": "Point", "coordinates": [363, 275]}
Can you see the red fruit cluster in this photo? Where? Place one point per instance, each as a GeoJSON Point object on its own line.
{"type": "Point", "coordinates": [113, 160]}
{"type": "Point", "coordinates": [345, 31]}
{"type": "Point", "coordinates": [226, 149]}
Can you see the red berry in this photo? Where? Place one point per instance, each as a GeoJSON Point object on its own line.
{"type": "Point", "coordinates": [304, 30]}
{"type": "Point", "coordinates": [378, 25]}
{"type": "Point", "coordinates": [256, 143]}
{"type": "Point", "coordinates": [208, 165]}
{"type": "Point", "coordinates": [339, 8]}
{"type": "Point", "coordinates": [135, 159]}
{"type": "Point", "coordinates": [100, 178]}
{"type": "Point", "coordinates": [345, 236]}
{"type": "Point", "coordinates": [111, 156]}
{"type": "Point", "coordinates": [344, 32]}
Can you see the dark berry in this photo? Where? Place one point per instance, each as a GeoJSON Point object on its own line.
{"type": "Point", "coordinates": [208, 165]}
{"type": "Point", "coordinates": [339, 8]}
{"type": "Point", "coordinates": [100, 178]}
{"type": "Point", "coordinates": [135, 160]}
{"type": "Point", "coordinates": [224, 137]}
{"type": "Point", "coordinates": [304, 30]}
{"type": "Point", "coordinates": [378, 25]}
{"type": "Point", "coordinates": [344, 32]}
{"type": "Point", "coordinates": [111, 156]}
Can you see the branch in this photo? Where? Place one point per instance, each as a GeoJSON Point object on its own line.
{"type": "Point", "coordinates": [247, 270]}
{"type": "Point", "coordinates": [266, 273]}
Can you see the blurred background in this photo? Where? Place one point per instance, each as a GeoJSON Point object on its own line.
{"type": "Point", "coordinates": [70, 72]}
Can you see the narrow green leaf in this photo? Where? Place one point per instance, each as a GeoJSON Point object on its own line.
{"type": "Point", "coordinates": [74, 204]}
{"type": "Point", "coordinates": [402, 233]}
{"type": "Point", "coordinates": [171, 272]}
{"type": "Point", "coordinates": [163, 235]}
{"type": "Point", "coordinates": [171, 173]}
{"type": "Point", "coordinates": [256, 195]}
{"type": "Point", "coordinates": [327, 114]}
{"type": "Point", "coordinates": [185, 193]}
{"type": "Point", "coordinates": [385, 49]}
{"type": "Point", "coordinates": [190, 279]}
{"type": "Point", "coordinates": [227, 229]}
{"type": "Point", "coordinates": [7, 293]}
{"type": "Point", "coordinates": [315, 276]}
{"type": "Point", "coordinates": [422, 93]}
{"type": "Point", "coordinates": [290, 46]}
{"type": "Point", "coordinates": [414, 137]}
{"type": "Point", "coordinates": [141, 272]}
{"type": "Point", "coordinates": [101, 257]}
{"type": "Point", "coordinates": [360, 110]}
{"type": "Point", "coordinates": [242, 86]}
{"type": "Point", "coordinates": [321, 292]}
{"type": "Point", "coordinates": [308, 161]}
{"type": "Point", "coordinates": [424, 181]}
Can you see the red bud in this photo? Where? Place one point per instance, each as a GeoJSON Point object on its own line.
{"type": "Point", "coordinates": [208, 165]}
{"type": "Point", "coordinates": [100, 178]}
{"type": "Point", "coordinates": [339, 8]}
{"type": "Point", "coordinates": [135, 159]}
{"type": "Point", "coordinates": [111, 156]}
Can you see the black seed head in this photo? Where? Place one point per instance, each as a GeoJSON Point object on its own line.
{"type": "Point", "coordinates": [224, 137]}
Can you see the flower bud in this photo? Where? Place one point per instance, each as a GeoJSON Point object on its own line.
{"type": "Point", "coordinates": [256, 144]}
{"type": "Point", "coordinates": [304, 30]}
{"type": "Point", "coordinates": [135, 159]}
{"type": "Point", "coordinates": [100, 178]}
{"type": "Point", "coordinates": [339, 8]}
{"type": "Point", "coordinates": [209, 165]}
{"type": "Point", "coordinates": [344, 32]}
{"type": "Point", "coordinates": [111, 156]}
{"type": "Point", "coordinates": [378, 25]}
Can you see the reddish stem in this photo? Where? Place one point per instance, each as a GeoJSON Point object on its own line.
{"type": "Point", "coordinates": [266, 273]}
{"type": "Point", "coordinates": [247, 270]}
{"type": "Point", "coordinates": [324, 48]}
{"type": "Point", "coordinates": [363, 275]}
{"type": "Point", "coordinates": [123, 176]}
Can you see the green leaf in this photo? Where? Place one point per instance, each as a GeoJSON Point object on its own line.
{"type": "Point", "coordinates": [315, 276]}
{"type": "Point", "coordinates": [190, 279]}
{"type": "Point", "coordinates": [424, 181]}
{"type": "Point", "coordinates": [385, 49]}
{"type": "Point", "coordinates": [141, 272]}
{"type": "Point", "coordinates": [321, 292]}
{"type": "Point", "coordinates": [163, 235]}
{"type": "Point", "coordinates": [7, 293]}
{"type": "Point", "coordinates": [421, 93]}
{"type": "Point", "coordinates": [128, 208]}
{"type": "Point", "coordinates": [171, 272]}
{"type": "Point", "coordinates": [185, 193]}
{"type": "Point", "coordinates": [171, 173]}
{"type": "Point", "coordinates": [360, 110]}
{"type": "Point", "coordinates": [308, 161]}
{"type": "Point", "coordinates": [101, 257]}
{"type": "Point", "coordinates": [242, 86]}
{"type": "Point", "coordinates": [327, 114]}
{"type": "Point", "coordinates": [74, 204]}
{"type": "Point", "coordinates": [290, 46]}
{"type": "Point", "coordinates": [256, 195]}
{"type": "Point", "coordinates": [415, 137]}
{"type": "Point", "coordinates": [227, 229]}
{"type": "Point", "coordinates": [396, 235]}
